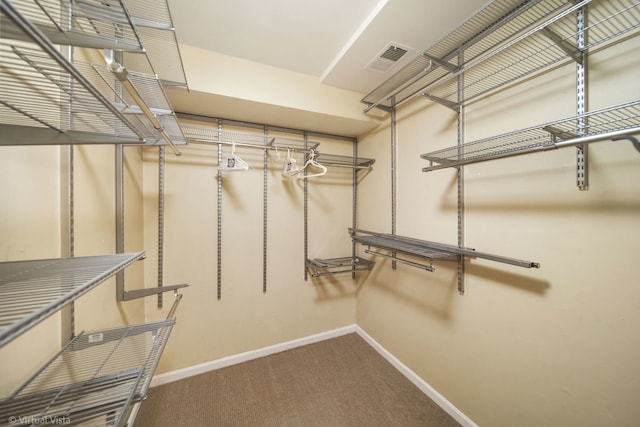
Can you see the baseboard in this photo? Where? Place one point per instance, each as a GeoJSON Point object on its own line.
{"type": "Point", "coordinates": [202, 368]}
{"type": "Point", "coordinates": [443, 403]}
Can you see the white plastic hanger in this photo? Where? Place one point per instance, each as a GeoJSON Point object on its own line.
{"type": "Point", "coordinates": [313, 163]}
{"type": "Point", "coordinates": [290, 167]}
{"type": "Point", "coordinates": [234, 162]}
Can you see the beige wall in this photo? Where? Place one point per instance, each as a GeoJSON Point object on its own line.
{"type": "Point", "coordinates": [553, 346]}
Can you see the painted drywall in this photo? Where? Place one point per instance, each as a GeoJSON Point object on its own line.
{"type": "Point", "coordinates": [223, 86]}
{"type": "Point", "coordinates": [548, 346]}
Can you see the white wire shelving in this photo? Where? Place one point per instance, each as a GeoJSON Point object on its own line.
{"type": "Point", "coordinates": [93, 380]}
{"type": "Point", "coordinates": [31, 291]}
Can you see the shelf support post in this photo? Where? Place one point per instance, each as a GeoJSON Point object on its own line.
{"type": "Point", "coordinates": [582, 165]}
{"type": "Point", "coordinates": [67, 236]}
{"type": "Point", "coordinates": [394, 183]}
{"type": "Point", "coordinates": [219, 276]}
{"type": "Point", "coordinates": [461, 174]}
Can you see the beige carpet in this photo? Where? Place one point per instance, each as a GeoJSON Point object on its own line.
{"type": "Point", "coordinates": [338, 382]}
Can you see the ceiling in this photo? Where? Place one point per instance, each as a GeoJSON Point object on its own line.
{"type": "Point", "coordinates": [332, 40]}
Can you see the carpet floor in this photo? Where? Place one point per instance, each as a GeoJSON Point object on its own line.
{"type": "Point", "coordinates": [339, 382]}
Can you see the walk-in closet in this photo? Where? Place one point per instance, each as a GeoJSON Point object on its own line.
{"type": "Point", "coordinates": [292, 213]}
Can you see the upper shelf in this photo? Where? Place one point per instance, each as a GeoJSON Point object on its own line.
{"type": "Point", "coordinates": [609, 123]}
{"type": "Point", "coordinates": [501, 44]}
{"type": "Point", "coordinates": [260, 140]}
{"type": "Point", "coordinates": [45, 98]}
{"type": "Point", "coordinates": [143, 28]}
{"type": "Point", "coordinates": [31, 291]}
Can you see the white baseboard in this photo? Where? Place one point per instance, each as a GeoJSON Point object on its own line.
{"type": "Point", "coordinates": [418, 382]}
{"type": "Point", "coordinates": [179, 374]}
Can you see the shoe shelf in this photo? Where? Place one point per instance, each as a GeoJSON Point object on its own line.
{"type": "Point", "coordinates": [329, 266]}
{"type": "Point", "coordinates": [93, 380]}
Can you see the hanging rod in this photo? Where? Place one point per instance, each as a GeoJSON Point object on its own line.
{"type": "Point", "coordinates": [45, 45]}
{"type": "Point", "coordinates": [123, 77]}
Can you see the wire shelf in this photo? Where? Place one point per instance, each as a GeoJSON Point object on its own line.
{"type": "Point", "coordinates": [502, 44]}
{"type": "Point", "coordinates": [45, 99]}
{"type": "Point", "coordinates": [93, 380]}
{"type": "Point", "coordinates": [132, 26]}
{"type": "Point", "coordinates": [425, 249]}
{"type": "Point", "coordinates": [329, 266]}
{"type": "Point", "coordinates": [204, 134]}
{"type": "Point", "coordinates": [31, 291]}
{"type": "Point", "coordinates": [596, 126]}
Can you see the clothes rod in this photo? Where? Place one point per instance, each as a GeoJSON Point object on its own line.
{"type": "Point", "coordinates": [123, 76]}
{"type": "Point", "coordinates": [430, 268]}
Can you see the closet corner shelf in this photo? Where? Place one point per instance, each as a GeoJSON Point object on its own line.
{"type": "Point", "coordinates": [425, 249]}
{"type": "Point", "coordinates": [31, 291]}
{"type": "Point", "coordinates": [93, 380]}
{"type": "Point", "coordinates": [502, 43]}
{"type": "Point", "coordinates": [328, 266]}
{"type": "Point", "coordinates": [618, 122]}
{"type": "Point", "coordinates": [62, 103]}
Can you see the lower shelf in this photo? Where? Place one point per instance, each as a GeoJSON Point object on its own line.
{"type": "Point", "coordinates": [323, 267]}
{"type": "Point", "coordinates": [93, 380]}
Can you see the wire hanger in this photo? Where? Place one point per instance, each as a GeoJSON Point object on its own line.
{"type": "Point", "coordinates": [290, 167]}
{"type": "Point", "coordinates": [234, 162]}
{"type": "Point", "coordinates": [313, 163]}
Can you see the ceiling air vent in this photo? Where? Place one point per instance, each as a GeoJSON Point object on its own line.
{"type": "Point", "coordinates": [388, 56]}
